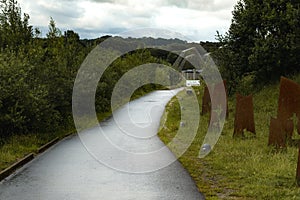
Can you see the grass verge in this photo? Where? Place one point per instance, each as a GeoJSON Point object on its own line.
{"type": "Point", "coordinates": [18, 146]}
{"type": "Point", "coordinates": [245, 168]}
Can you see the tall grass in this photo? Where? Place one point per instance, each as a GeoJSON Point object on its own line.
{"type": "Point", "coordinates": [244, 168]}
{"type": "Point", "coordinates": [17, 146]}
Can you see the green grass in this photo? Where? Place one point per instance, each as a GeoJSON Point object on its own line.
{"type": "Point", "coordinates": [18, 146]}
{"type": "Point", "coordinates": [244, 168]}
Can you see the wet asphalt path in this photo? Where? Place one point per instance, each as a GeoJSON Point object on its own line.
{"type": "Point", "coordinates": [67, 171]}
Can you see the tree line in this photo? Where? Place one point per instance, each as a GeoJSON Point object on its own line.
{"type": "Point", "coordinates": [262, 43]}
{"type": "Point", "coordinates": [37, 74]}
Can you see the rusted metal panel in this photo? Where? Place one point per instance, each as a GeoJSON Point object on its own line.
{"type": "Point", "coordinates": [206, 102]}
{"type": "Point", "coordinates": [217, 95]}
{"type": "Point", "coordinates": [289, 99]}
{"type": "Point", "coordinates": [277, 136]}
{"type": "Point", "coordinates": [298, 169]}
{"type": "Point", "coordinates": [244, 115]}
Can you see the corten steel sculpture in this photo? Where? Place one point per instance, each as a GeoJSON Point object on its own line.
{"type": "Point", "coordinates": [244, 115]}
{"type": "Point", "coordinates": [220, 108]}
{"type": "Point", "coordinates": [206, 103]}
{"type": "Point", "coordinates": [217, 95]}
{"type": "Point", "coordinates": [227, 111]}
{"type": "Point", "coordinates": [289, 99]}
{"type": "Point", "coordinates": [298, 126]}
{"type": "Point", "coordinates": [288, 105]}
{"type": "Point", "coordinates": [288, 128]}
{"type": "Point", "coordinates": [276, 137]}
{"type": "Point", "coordinates": [298, 169]}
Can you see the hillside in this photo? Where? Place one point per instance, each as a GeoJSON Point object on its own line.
{"type": "Point", "coordinates": [245, 168]}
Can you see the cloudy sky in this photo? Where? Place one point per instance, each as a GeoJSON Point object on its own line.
{"type": "Point", "coordinates": [197, 20]}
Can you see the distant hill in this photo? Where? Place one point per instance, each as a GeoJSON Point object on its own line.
{"type": "Point", "coordinates": [172, 44]}
{"type": "Point", "coordinates": [159, 47]}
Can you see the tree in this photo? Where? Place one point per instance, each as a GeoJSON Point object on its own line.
{"type": "Point", "coordinates": [14, 30]}
{"type": "Point", "coordinates": [53, 32]}
{"type": "Point", "coordinates": [262, 41]}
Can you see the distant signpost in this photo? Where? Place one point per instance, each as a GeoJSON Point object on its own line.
{"type": "Point", "coordinates": [190, 73]}
{"type": "Point", "coordinates": [190, 83]}
{"type": "Point", "coordinates": [192, 77]}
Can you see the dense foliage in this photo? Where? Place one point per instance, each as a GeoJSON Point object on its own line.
{"type": "Point", "coordinates": [37, 74]}
{"type": "Point", "coordinates": [263, 42]}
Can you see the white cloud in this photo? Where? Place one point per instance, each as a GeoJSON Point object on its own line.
{"type": "Point", "coordinates": [211, 5]}
{"type": "Point", "coordinates": [197, 19]}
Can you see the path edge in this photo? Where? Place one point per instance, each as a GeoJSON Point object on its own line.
{"type": "Point", "coordinates": [29, 157]}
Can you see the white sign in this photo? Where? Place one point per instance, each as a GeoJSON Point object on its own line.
{"type": "Point", "coordinates": [190, 83]}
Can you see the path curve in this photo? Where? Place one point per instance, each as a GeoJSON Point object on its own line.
{"type": "Point", "coordinates": [68, 172]}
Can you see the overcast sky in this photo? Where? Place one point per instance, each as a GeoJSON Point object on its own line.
{"type": "Point", "coordinates": [197, 20]}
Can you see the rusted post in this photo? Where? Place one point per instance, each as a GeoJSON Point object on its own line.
{"type": "Point", "coordinates": [288, 104]}
{"type": "Point", "coordinates": [289, 99]}
{"type": "Point", "coordinates": [288, 129]}
{"type": "Point", "coordinates": [206, 103]}
{"type": "Point", "coordinates": [298, 125]}
{"type": "Point", "coordinates": [277, 136]}
{"type": "Point", "coordinates": [298, 169]}
{"type": "Point", "coordinates": [216, 94]}
{"type": "Point", "coordinates": [244, 115]}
